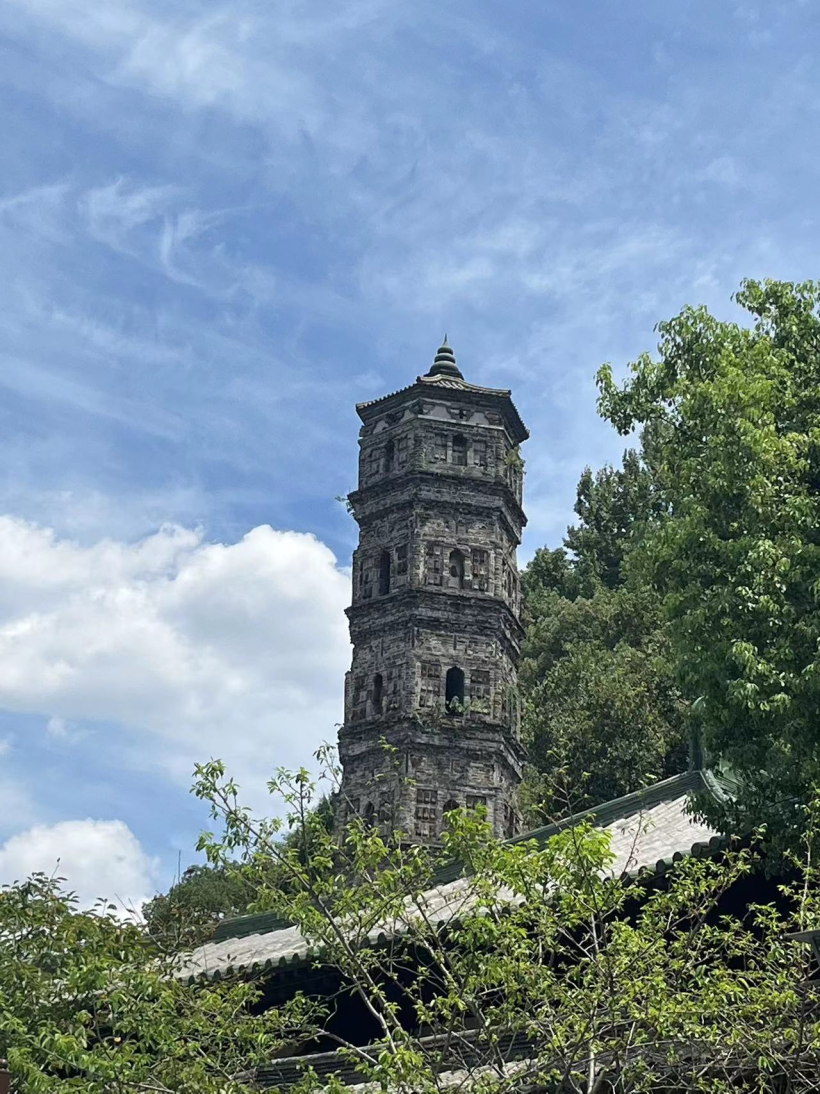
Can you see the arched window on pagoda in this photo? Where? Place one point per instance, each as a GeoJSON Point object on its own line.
{"type": "Point", "coordinates": [454, 691]}
{"type": "Point", "coordinates": [456, 574]}
{"type": "Point", "coordinates": [378, 693]}
{"type": "Point", "coordinates": [384, 573]}
{"type": "Point", "coordinates": [459, 450]}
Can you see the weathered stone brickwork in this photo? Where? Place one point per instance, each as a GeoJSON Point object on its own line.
{"type": "Point", "coordinates": [435, 613]}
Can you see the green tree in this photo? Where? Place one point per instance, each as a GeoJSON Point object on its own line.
{"type": "Point", "coordinates": [615, 506]}
{"type": "Point", "coordinates": [89, 1003]}
{"type": "Point", "coordinates": [602, 712]}
{"type": "Point", "coordinates": [189, 912]}
{"type": "Point", "coordinates": [602, 985]}
{"type": "Point", "coordinates": [730, 419]}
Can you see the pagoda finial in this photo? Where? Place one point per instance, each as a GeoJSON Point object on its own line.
{"type": "Point", "coordinates": [444, 362]}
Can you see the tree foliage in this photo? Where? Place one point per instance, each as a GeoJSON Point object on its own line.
{"type": "Point", "coordinates": [192, 908]}
{"type": "Point", "coordinates": [730, 416]}
{"type": "Point", "coordinates": [88, 1002]}
{"type": "Point", "coordinates": [603, 713]}
{"type": "Point", "coordinates": [534, 970]}
{"type": "Point", "coordinates": [188, 914]}
{"type": "Point", "coordinates": [614, 507]}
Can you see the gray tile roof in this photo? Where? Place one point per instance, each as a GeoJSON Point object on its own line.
{"type": "Point", "coordinates": [649, 831]}
{"type": "Point", "coordinates": [425, 385]}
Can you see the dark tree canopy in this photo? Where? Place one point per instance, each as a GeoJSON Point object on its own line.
{"type": "Point", "coordinates": [686, 600]}
{"type": "Point", "coordinates": [191, 909]}
{"type": "Point", "coordinates": [603, 715]}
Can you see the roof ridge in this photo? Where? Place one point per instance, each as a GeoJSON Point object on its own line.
{"type": "Point", "coordinates": [656, 793]}
{"type": "Point", "coordinates": [604, 814]}
{"type": "Point", "coordinates": [240, 926]}
{"type": "Point", "coordinates": [443, 385]}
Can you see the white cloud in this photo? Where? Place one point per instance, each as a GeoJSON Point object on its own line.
{"type": "Point", "coordinates": [98, 858]}
{"type": "Point", "coordinates": [149, 223]}
{"type": "Point", "coordinates": [58, 729]}
{"type": "Point", "coordinates": [199, 649]}
{"type": "Point", "coordinates": [725, 171]}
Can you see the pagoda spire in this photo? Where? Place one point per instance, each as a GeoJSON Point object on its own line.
{"type": "Point", "coordinates": [444, 363]}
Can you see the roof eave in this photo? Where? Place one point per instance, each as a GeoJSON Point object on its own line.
{"type": "Point", "coordinates": [373, 407]}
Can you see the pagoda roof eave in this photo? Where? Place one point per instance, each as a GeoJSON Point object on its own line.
{"type": "Point", "coordinates": [449, 386]}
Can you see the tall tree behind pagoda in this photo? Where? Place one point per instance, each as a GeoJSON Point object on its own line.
{"type": "Point", "coordinates": [603, 715]}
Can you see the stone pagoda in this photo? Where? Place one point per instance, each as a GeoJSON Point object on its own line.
{"type": "Point", "coordinates": [431, 705]}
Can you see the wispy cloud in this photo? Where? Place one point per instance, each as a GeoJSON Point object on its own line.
{"type": "Point", "coordinates": [115, 211]}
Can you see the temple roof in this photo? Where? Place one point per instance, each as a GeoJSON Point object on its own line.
{"type": "Point", "coordinates": [649, 829]}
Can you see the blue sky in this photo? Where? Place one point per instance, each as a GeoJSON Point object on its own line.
{"type": "Point", "coordinates": [221, 225]}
